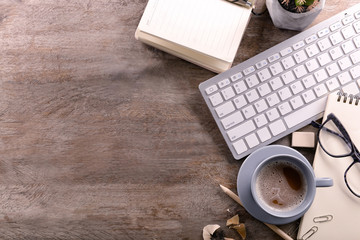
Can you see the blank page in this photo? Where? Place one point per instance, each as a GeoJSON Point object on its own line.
{"type": "Point", "coordinates": [213, 27]}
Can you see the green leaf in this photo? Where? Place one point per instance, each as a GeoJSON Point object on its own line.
{"type": "Point", "coordinates": [299, 3]}
{"type": "Point", "coordinates": [302, 2]}
{"type": "Point", "coordinates": [309, 2]}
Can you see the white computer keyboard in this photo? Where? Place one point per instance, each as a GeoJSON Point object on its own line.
{"type": "Point", "coordinates": [285, 87]}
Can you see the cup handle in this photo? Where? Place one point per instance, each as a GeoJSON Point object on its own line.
{"type": "Point", "coordinates": [324, 182]}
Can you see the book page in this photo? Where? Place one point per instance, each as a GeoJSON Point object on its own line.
{"type": "Point", "coordinates": [336, 201]}
{"type": "Point", "coordinates": [214, 27]}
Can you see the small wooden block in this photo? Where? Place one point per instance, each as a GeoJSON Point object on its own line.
{"type": "Point", "coordinates": [303, 139]}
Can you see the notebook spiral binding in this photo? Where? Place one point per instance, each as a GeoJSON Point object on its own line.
{"type": "Point", "coordinates": [351, 97]}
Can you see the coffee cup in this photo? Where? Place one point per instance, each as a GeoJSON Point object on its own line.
{"type": "Point", "coordinates": [284, 186]}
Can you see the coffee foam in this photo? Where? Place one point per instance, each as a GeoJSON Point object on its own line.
{"type": "Point", "coordinates": [281, 185]}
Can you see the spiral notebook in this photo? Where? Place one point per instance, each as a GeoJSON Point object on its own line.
{"type": "Point", "coordinates": [335, 212]}
{"type": "Point", "coordinates": [204, 32]}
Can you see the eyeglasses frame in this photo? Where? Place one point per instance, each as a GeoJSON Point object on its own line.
{"type": "Point", "coordinates": [346, 138]}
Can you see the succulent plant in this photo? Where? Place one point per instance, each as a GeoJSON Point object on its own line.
{"type": "Point", "coordinates": [300, 5]}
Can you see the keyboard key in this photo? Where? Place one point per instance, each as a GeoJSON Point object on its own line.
{"type": "Point", "coordinates": [228, 93]}
{"type": "Point", "coordinates": [312, 65]}
{"type": "Point", "coordinates": [252, 95]}
{"type": "Point", "coordinates": [224, 83]}
{"type": "Point", "coordinates": [323, 32]}
{"type": "Point", "coordinates": [272, 99]}
{"type": "Point", "coordinates": [232, 120]}
{"type": "Point", "coordinates": [355, 72]}
{"type": "Point", "coordinates": [312, 50]}
{"type": "Point", "coordinates": [277, 127]}
{"type": "Point", "coordinates": [225, 109]}
{"type": "Point", "coordinates": [260, 120]}
{"type": "Point", "coordinates": [264, 134]}
{"type": "Point", "coordinates": [309, 81]}
{"type": "Point", "coordinates": [236, 77]}
{"type": "Point", "coordinates": [261, 64]}
{"type": "Point", "coordinates": [351, 88]}
{"type": "Point", "coordinates": [332, 84]}
{"type": "Point", "coordinates": [264, 89]}
{"type": "Point", "coordinates": [320, 75]}
{"type": "Point", "coordinates": [285, 93]}
{"type": "Point", "coordinates": [288, 62]}
{"type": "Point", "coordinates": [335, 26]}
{"type": "Point", "coordinates": [296, 87]}
{"type": "Point", "coordinates": [240, 146]}
{"type": "Point", "coordinates": [240, 87]}
{"type": "Point", "coordinates": [311, 39]}
{"type": "Point", "coordinates": [216, 99]}
{"type": "Point", "coordinates": [261, 105]}
{"type": "Point", "coordinates": [300, 71]}
{"type": "Point", "coordinates": [320, 90]}
{"type": "Point", "coordinates": [333, 69]}
{"type": "Point", "coordinates": [357, 41]}
{"type": "Point", "coordinates": [272, 114]}
{"type": "Point", "coordinates": [286, 51]}
{"type": "Point", "coordinates": [249, 70]}
{"type": "Point", "coordinates": [296, 102]}
{"type": "Point", "coordinates": [357, 26]}
{"type": "Point", "coordinates": [274, 57]}
{"type": "Point", "coordinates": [355, 57]}
{"type": "Point", "coordinates": [276, 68]}
{"type": "Point", "coordinates": [308, 96]}
{"type": "Point", "coordinates": [276, 83]}
{"type": "Point", "coordinates": [357, 15]}
{"type": "Point", "coordinates": [303, 114]}
{"type": "Point", "coordinates": [288, 77]}
{"type": "Point", "coordinates": [240, 101]}
{"type": "Point", "coordinates": [344, 78]}
{"type": "Point", "coordinates": [324, 44]}
{"type": "Point", "coordinates": [211, 89]}
{"type": "Point", "coordinates": [324, 59]}
{"type": "Point", "coordinates": [348, 47]}
{"type": "Point", "coordinates": [249, 111]}
{"type": "Point", "coordinates": [252, 140]}
{"type": "Point", "coordinates": [264, 75]}
{"type": "Point", "coordinates": [336, 38]}
{"type": "Point", "coordinates": [241, 130]}
{"type": "Point", "coordinates": [298, 45]}
{"type": "Point", "coordinates": [336, 52]}
{"type": "Point", "coordinates": [300, 56]}
{"type": "Point", "coordinates": [348, 32]}
{"type": "Point", "coordinates": [252, 81]}
{"type": "Point", "coordinates": [284, 108]}
{"type": "Point", "coordinates": [345, 63]}
{"type": "Point", "coordinates": [348, 20]}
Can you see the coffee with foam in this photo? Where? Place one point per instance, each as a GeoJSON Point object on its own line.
{"type": "Point", "coordinates": [281, 185]}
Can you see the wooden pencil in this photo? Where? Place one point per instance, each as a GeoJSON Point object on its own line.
{"type": "Point", "coordinates": [236, 198]}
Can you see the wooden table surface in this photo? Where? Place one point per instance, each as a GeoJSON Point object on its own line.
{"type": "Point", "coordinates": [103, 137]}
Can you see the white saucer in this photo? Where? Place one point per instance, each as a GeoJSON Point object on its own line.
{"type": "Point", "coordinates": [244, 182]}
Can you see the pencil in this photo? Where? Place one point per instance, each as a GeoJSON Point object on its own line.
{"type": "Point", "coordinates": [236, 198]}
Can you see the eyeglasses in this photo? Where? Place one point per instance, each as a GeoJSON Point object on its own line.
{"type": "Point", "coordinates": [336, 142]}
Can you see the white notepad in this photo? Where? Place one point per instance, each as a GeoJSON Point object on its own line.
{"type": "Point", "coordinates": [335, 212]}
{"type": "Point", "coordinates": [205, 32]}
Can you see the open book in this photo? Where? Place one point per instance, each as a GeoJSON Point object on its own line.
{"type": "Point", "coordinates": [205, 32]}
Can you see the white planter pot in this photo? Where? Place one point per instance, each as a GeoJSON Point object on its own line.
{"type": "Point", "coordinates": [289, 20]}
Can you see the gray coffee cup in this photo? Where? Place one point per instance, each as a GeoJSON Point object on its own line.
{"type": "Point", "coordinates": [292, 191]}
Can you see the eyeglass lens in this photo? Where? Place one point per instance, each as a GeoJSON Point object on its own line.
{"type": "Point", "coordinates": [353, 178]}
{"type": "Point", "coordinates": [332, 140]}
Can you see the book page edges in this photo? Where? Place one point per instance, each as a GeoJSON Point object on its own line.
{"type": "Point", "coordinates": [193, 56]}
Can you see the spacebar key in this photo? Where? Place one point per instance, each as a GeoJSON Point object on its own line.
{"type": "Point", "coordinates": [306, 112]}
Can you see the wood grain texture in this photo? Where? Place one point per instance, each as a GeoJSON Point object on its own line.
{"type": "Point", "coordinates": [103, 137]}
